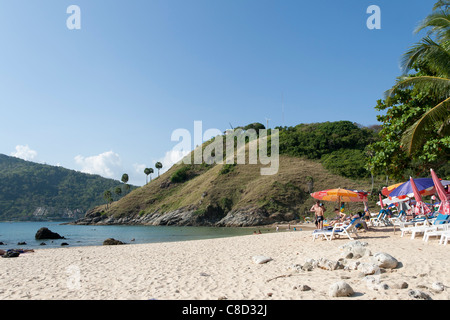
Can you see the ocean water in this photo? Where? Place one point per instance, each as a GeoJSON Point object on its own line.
{"type": "Point", "coordinates": [11, 233]}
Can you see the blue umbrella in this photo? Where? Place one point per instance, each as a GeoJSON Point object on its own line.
{"type": "Point", "coordinates": [424, 185]}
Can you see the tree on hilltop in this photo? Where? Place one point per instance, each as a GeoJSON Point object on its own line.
{"type": "Point", "coordinates": [148, 171]}
{"type": "Point", "coordinates": [158, 166]}
{"type": "Point", "coordinates": [125, 181]}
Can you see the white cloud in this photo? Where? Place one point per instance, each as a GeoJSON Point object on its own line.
{"type": "Point", "coordinates": [139, 168]}
{"type": "Point", "coordinates": [24, 152]}
{"type": "Point", "coordinates": [106, 164]}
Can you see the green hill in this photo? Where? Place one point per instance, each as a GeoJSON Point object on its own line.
{"type": "Point", "coordinates": [312, 157]}
{"type": "Point", "coordinates": [30, 191]}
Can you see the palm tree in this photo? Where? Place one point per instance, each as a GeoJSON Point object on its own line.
{"type": "Point", "coordinates": [158, 166]}
{"type": "Point", "coordinates": [108, 197]}
{"type": "Point", "coordinates": [148, 171]}
{"type": "Point", "coordinates": [118, 191]}
{"type": "Point", "coordinates": [432, 55]}
{"type": "Point", "coordinates": [125, 180]}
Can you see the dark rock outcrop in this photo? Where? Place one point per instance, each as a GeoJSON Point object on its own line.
{"type": "Point", "coordinates": [213, 215]}
{"type": "Point", "coordinates": [45, 233]}
{"type": "Point", "coordinates": [112, 242]}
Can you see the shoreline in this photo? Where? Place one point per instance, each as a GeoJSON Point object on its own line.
{"type": "Point", "coordinates": [94, 235]}
{"type": "Point", "coordinates": [222, 268]}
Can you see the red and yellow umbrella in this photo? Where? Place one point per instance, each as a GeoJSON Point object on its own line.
{"type": "Point", "coordinates": [341, 195]}
{"type": "Point", "coordinates": [387, 190]}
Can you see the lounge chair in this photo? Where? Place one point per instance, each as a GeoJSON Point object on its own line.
{"type": "Point", "coordinates": [445, 237]}
{"type": "Point", "coordinates": [382, 219]}
{"type": "Point", "coordinates": [398, 219]}
{"type": "Point", "coordinates": [337, 230]}
{"type": "Point", "coordinates": [418, 221]}
{"type": "Point", "coordinates": [436, 231]}
{"type": "Point", "coordinates": [440, 219]}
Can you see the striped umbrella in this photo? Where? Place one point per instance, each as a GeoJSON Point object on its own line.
{"type": "Point", "coordinates": [341, 195]}
{"type": "Point", "coordinates": [387, 190]}
{"type": "Point", "coordinates": [421, 207]}
{"type": "Point", "coordinates": [424, 186]}
{"type": "Point", "coordinates": [444, 208]}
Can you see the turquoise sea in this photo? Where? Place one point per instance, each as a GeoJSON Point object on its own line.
{"type": "Point", "coordinates": [11, 233]}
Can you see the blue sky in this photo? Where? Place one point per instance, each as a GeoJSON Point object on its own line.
{"type": "Point", "coordinates": [106, 98]}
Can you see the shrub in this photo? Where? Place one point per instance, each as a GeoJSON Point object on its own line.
{"type": "Point", "coordinates": [346, 162]}
{"type": "Point", "coordinates": [226, 204]}
{"type": "Point", "coordinates": [227, 168]}
{"type": "Point", "coordinates": [181, 175]}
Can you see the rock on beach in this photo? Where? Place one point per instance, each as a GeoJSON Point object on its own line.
{"type": "Point", "coordinates": [261, 259]}
{"type": "Point", "coordinates": [384, 260]}
{"type": "Point", "coordinates": [340, 289]}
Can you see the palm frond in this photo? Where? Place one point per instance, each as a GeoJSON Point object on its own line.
{"type": "Point", "coordinates": [413, 137]}
{"type": "Point", "coordinates": [439, 24]}
{"type": "Point", "coordinates": [437, 85]}
{"type": "Point", "coordinates": [435, 56]}
{"type": "Point", "coordinates": [441, 3]}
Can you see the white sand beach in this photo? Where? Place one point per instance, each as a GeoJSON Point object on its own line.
{"type": "Point", "coordinates": [223, 269]}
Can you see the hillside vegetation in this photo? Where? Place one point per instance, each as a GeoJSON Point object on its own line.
{"type": "Point", "coordinates": [31, 190]}
{"type": "Point", "coordinates": [312, 157]}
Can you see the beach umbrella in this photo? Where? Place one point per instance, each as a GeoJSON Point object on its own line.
{"type": "Point", "coordinates": [381, 202]}
{"type": "Point", "coordinates": [425, 187]}
{"type": "Point", "coordinates": [340, 195]}
{"type": "Point", "coordinates": [444, 208]}
{"type": "Point", "coordinates": [421, 207]}
{"type": "Point", "coordinates": [388, 201]}
{"type": "Point", "coordinates": [387, 190]}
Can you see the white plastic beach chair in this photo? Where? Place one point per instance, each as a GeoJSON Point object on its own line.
{"type": "Point", "coordinates": [445, 237]}
{"type": "Point", "coordinates": [379, 220]}
{"type": "Point", "coordinates": [337, 230]}
{"type": "Point", "coordinates": [436, 231]}
{"type": "Point", "coordinates": [401, 217]}
{"type": "Point", "coordinates": [416, 222]}
{"type": "Point", "coordinates": [440, 219]}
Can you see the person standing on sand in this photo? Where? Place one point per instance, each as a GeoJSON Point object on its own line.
{"type": "Point", "coordinates": [318, 210]}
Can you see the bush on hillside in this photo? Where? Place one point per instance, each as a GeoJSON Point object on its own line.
{"type": "Point", "coordinates": [347, 163]}
{"type": "Point", "coordinates": [227, 168]}
{"type": "Point", "coordinates": [317, 139]}
{"type": "Point", "coordinates": [181, 175]}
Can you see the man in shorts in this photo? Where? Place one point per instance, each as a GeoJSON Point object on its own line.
{"type": "Point", "coordinates": [318, 210]}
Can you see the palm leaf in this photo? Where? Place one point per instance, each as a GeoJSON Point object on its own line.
{"type": "Point", "coordinates": [435, 56]}
{"type": "Point", "coordinates": [413, 137]}
{"type": "Point", "coordinates": [438, 85]}
{"type": "Point", "coordinates": [439, 24]}
{"type": "Point", "coordinates": [441, 3]}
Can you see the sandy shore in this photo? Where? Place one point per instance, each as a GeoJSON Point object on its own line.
{"type": "Point", "coordinates": [222, 269]}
